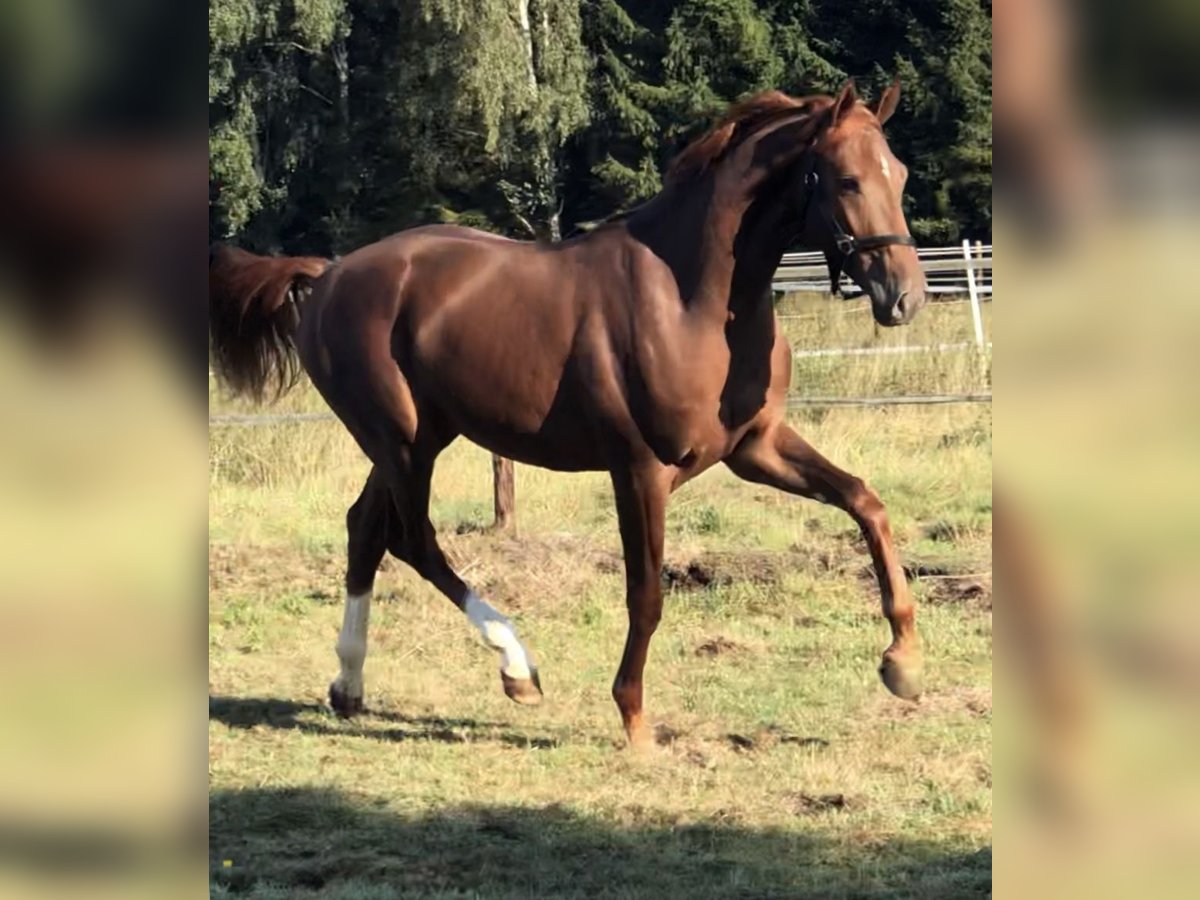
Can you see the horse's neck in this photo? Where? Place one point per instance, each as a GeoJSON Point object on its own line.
{"type": "Point", "coordinates": [722, 246]}
{"type": "Point", "coordinates": [758, 250]}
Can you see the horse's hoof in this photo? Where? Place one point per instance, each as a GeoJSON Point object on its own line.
{"type": "Point", "coordinates": [343, 704]}
{"type": "Point", "coordinates": [653, 739]}
{"type": "Point", "coordinates": [643, 743]}
{"type": "Point", "coordinates": [526, 691]}
{"type": "Point", "coordinates": [902, 674]}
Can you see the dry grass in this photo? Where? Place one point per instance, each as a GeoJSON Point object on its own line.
{"type": "Point", "coordinates": [785, 770]}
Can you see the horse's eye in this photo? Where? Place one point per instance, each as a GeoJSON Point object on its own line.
{"type": "Point", "coordinates": [849, 185]}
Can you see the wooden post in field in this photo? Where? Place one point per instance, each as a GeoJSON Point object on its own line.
{"type": "Point", "coordinates": [504, 493]}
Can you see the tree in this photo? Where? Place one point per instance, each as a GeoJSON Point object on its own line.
{"type": "Point", "coordinates": [941, 49]}
{"type": "Point", "coordinates": [336, 122]}
{"type": "Point", "coordinates": [520, 88]}
{"type": "Point", "coordinates": [274, 101]}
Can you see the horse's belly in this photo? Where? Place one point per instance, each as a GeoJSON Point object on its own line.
{"type": "Point", "coordinates": [557, 451]}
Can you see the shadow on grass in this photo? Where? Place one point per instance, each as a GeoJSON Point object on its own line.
{"type": "Point", "coordinates": [314, 718]}
{"type": "Point", "coordinates": [322, 843]}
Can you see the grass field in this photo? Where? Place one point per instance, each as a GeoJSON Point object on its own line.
{"type": "Point", "coordinates": [786, 769]}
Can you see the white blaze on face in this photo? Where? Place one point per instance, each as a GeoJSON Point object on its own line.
{"type": "Point", "coordinates": [352, 643]}
{"type": "Point", "coordinates": [499, 634]}
{"type": "Point", "coordinates": [883, 164]}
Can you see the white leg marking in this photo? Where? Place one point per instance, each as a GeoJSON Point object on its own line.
{"type": "Point", "coordinates": [352, 643]}
{"type": "Point", "coordinates": [499, 634]}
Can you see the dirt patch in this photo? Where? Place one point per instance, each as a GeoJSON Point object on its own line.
{"type": "Point", "coordinates": [691, 576]}
{"type": "Point", "coordinates": [523, 572]}
{"type": "Point", "coordinates": [700, 759]}
{"type": "Point", "coordinates": [740, 742]}
{"type": "Point", "coordinates": [976, 701]}
{"type": "Point", "coordinates": [927, 570]}
{"type": "Point", "coordinates": [945, 583]}
{"type": "Point", "coordinates": [979, 703]}
{"type": "Point", "coordinates": [276, 570]}
{"type": "Point", "coordinates": [771, 736]}
{"type": "Point", "coordinates": [665, 735]}
{"type": "Point", "coordinates": [968, 589]}
{"type": "Point", "coordinates": [943, 532]}
{"type": "Point", "coordinates": [610, 565]}
{"type": "Point", "coordinates": [971, 589]}
{"type": "Point", "coordinates": [804, 804]}
{"type": "Point", "coordinates": [719, 646]}
{"type": "Point", "coordinates": [543, 550]}
{"type": "Point", "coordinates": [723, 569]}
{"type": "Point", "coordinates": [817, 559]}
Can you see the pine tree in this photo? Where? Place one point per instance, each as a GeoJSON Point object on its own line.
{"type": "Point", "coordinates": [941, 50]}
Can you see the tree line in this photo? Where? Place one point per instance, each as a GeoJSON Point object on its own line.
{"type": "Point", "coordinates": [336, 122]}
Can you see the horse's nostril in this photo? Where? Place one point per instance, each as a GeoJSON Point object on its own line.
{"type": "Point", "coordinates": [898, 308]}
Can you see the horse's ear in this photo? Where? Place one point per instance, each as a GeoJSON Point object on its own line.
{"type": "Point", "coordinates": [887, 102]}
{"type": "Point", "coordinates": [844, 102]}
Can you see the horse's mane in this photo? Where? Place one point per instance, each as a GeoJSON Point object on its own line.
{"type": "Point", "coordinates": [740, 121]}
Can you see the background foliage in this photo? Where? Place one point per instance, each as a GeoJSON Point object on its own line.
{"type": "Point", "coordinates": [336, 122]}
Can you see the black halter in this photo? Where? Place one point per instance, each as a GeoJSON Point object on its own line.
{"type": "Point", "coordinates": [846, 243]}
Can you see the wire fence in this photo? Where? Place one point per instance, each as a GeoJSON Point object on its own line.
{"type": "Point", "coordinates": [948, 270]}
{"type": "Point", "coordinates": [965, 270]}
{"type": "Point", "coordinates": [252, 420]}
{"type": "Point", "coordinates": [876, 351]}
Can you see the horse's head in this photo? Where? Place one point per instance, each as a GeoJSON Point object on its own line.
{"type": "Point", "coordinates": [852, 184]}
{"type": "Point", "coordinates": [820, 169]}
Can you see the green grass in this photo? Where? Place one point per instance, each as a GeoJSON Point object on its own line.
{"type": "Point", "coordinates": [786, 768]}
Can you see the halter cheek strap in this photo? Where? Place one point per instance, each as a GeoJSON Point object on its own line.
{"type": "Point", "coordinates": [846, 243]}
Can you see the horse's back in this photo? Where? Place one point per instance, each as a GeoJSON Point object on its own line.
{"type": "Point", "coordinates": [488, 331]}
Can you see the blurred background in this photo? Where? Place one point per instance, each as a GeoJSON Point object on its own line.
{"type": "Point", "coordinates": [102, 522]}
{"type": "Point", "coordinates": [1098, 209]}
{"type": "Point", "coordinates": [103, 133]}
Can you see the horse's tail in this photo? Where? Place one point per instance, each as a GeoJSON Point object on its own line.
{"type": "Point", "coordinates": [253, 312]}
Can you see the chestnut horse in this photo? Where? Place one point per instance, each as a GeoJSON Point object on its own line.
{"type": "Point", "coordinates": [646, 348]}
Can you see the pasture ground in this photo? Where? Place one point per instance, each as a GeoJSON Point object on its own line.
{"type": "Point", "coordinates": [785, 768]}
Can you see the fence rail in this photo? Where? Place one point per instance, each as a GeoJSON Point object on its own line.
{"type": "Point", "coordinates": [941, 265]}
{"type": "Point", "coordinates": [915, 400]}
{"type": "Point", "coordinates": [236, 420]}
{"type": "Point", "coordinates": [948, 270]}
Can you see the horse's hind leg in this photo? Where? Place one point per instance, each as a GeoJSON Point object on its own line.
{"type": "Point", "coordinates": [373, 399]}
{"type": "Point", "coordinates": [777, 456]}
{"type": "Point", "coordinates": [367, 525]}
{"type": "Point", "coordinates": [416, 543]}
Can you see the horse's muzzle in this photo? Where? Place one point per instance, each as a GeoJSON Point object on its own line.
{"type": "Point", "coordinates": [900, 311]}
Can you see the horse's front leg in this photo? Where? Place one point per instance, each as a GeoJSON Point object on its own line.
{"type": "Point", "coordinates": [777, 456]}
{"type": "Point", "coordinates": [641, 496]}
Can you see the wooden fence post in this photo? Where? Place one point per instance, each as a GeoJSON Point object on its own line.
{"type": "Point", "coordinates": [504, 493]}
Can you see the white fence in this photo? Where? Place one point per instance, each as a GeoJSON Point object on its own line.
{"type": "Point", "coordinates": [965, 271]}
{"type": "Point", "coordinates": [948, 270]}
